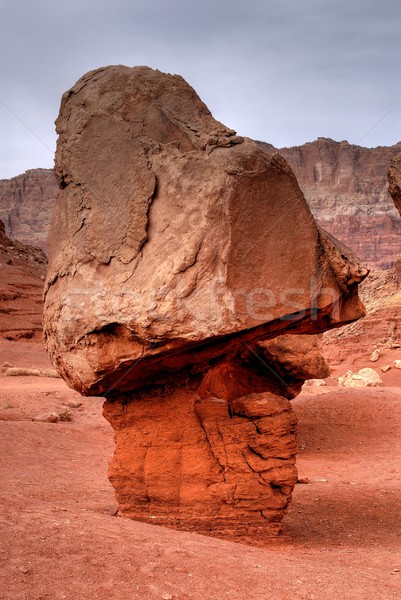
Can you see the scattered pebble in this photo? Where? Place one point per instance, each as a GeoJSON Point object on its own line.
{"type": "Point", "coordinates": [366, 377]}
{"type": "Point", "coordinates": [25, 570]}
{"type": "Point", "coordinates": [51, 417]}
{"type": "Point", "coordinates": [75, 404]}
{"type": "Point", "coordinates": [386, 368]}
{"type": "Point", "coordinates": [375, 355]}
{"type": "Point", "coordinates": [315, 382]}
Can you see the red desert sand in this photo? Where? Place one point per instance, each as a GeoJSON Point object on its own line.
{"type": "Point", "coordinates": [60, 538]}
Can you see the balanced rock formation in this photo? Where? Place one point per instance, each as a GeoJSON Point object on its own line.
{"type": "Point", "coordinates": [23, 270]}
{"type": "Point", "coordinates": [26, 203]}
{"type": "Point", "coordinates": [177, 252]}
{"type": "Point", "coordinates": [346, 188]}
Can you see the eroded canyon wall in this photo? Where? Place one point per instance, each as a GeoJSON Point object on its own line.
{"type": "Point", "coordinates": [26, 203]}
{"type": "Point", "coordinates": [394, 181]}
{"type": "Point", "coordinates": [23, 270]}
{"type": "Point", "coordinates": [346, 187]}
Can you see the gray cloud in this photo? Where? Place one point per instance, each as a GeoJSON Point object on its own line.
{"type": "Point", "coordinates": [280, 72]}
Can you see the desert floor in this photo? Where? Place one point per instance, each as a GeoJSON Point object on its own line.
{"type": "Point", "coordinates": [60, 538]}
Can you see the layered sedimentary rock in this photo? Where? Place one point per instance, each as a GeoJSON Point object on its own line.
{"type": "Point", "coordinates": [23, 270]}
{"type": "Point", "coordinates": [346, 188]}
{"type": "Point", "coordinates": [380, 328]}
{"type": "Point", "coordinates": [394, 181]}
{"type": "Point", "coordinates": [26, 203]}
{"type": "Point", "coordinates": [181, 256]}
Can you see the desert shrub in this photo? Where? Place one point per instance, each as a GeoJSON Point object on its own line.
{"type": "Point", "coordinates": [23, 372]}
{"type": "Point", "coordinates": [65, 414]}
{"type": "Point", "coordinates": [17, 372]}
{"type": "Point", "coordinates": [49, 373]}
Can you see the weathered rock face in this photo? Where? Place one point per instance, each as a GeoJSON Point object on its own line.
{"type": "Point", "coordinates": [381, 327]}
{"type": "Point", "coordinates": [295, 358]}
{"type": "Point", "coordinates": [26, 203]}
{"type": "Point", "coordinates": [177, 252]}
{"type": "Point", "coordinates": [23, 270]}
{"type": "Point", "coordinates": [380, 330]}
{"type": "Point", "coordinates": [394, 181]}
{"type": "Point", "coordinates": [346, 188]}
{"type": "Point", "coordinates": [225, 469]}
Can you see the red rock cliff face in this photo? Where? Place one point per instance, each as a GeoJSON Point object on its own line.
{"type": "Point", "coordinates": [394, 181]}
{"type": "Point", "coordinates": [346, 187]}
{"type": "Point", "coordinates": [26, 202]}
{"type": "Point", "coordinates": [22, 274]}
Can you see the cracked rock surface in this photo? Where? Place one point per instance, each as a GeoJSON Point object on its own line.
{"type": "Point", "coordinates": [394, 181]}
{"type": "Point", "coordinates": [186, 276]}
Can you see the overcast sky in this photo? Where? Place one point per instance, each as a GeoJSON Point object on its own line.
{"type": "Point", "coordinates": [282, 71]}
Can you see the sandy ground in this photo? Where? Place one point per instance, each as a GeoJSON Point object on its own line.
{"type": "Point", "coordinates": [60, 538]}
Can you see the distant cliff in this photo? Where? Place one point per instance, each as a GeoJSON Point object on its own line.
{"type": "Point", "coordinates": [26, 202]}
{"type": "Point", "coordinates": [23, 270]}
{"type": "Point", "coordinates": [345, 186]}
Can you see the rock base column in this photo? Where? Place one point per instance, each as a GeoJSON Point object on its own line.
{"type": "Point", "coordinates": [223, 469]}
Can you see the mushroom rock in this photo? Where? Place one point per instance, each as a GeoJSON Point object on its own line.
{"type": "Point", "coordinates": [186, 276]}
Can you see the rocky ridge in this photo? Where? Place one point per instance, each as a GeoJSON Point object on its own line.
{"type": "Point", "coordinates": [346, 188]}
